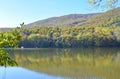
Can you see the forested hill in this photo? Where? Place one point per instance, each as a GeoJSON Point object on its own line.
{"type": "Point", "coordinates": [66, 20]}
{"type": "Point", "coordinates": [109, 18]}
{"type": "Point", "coordinates": [99, 31]}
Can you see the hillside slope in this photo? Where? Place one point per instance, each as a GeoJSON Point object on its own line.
{"type": "Point", "coordinates": [66, 20]}
{"type": "Point", "coordinates": [109, 18]}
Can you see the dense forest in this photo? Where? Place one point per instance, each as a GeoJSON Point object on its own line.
{"type": "Point", "coordinates": [70, 37]}
{"type": "Point", "coordinates": [102, 30]}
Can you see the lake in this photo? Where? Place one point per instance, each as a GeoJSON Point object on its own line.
{"type": "Point", "coordinates": [69, 63]}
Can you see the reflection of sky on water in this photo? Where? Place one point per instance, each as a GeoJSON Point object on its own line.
{"type": "Point", "coordinates": [104, 60]}
{"type": "Point", "coordinates": [21, 73]}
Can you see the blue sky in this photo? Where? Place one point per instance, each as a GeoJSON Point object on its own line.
{"type": "Point", "coordinates": [14, 12]}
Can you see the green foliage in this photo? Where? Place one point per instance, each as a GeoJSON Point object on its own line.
{"type": "Point", "coordinates": [103, 3]}
{"type": "Point", "coordinates": [8, 40]}
{"type": "Point", "coordinates": [5, 59]}
{"type": "Point", "coordinates": [100, 31]}
{"type": "Point", "coordinates": [70, 37]}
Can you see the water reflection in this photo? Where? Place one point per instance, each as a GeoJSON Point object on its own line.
{"type": "Point", "coordinates": [83, 63]}
{"type": "Point", "coordinates": [22, 73]}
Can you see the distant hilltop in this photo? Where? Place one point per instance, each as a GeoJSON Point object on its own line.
{"type": "Point", "coordinates": [111, 17]}
{"type": "Point", "coordinates": [63, 21]}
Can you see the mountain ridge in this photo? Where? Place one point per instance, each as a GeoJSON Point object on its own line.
{"type": "Point", "coordinates": [65, 20]}
{"type": "Point", "coordinates": [111, 17]}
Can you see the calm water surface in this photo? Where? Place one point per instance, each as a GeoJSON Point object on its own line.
{"type": "Point", "coordinates": [82, 63]}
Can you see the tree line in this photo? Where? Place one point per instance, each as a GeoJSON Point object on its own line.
{"type": "Point", "coordinates": [77, 36]}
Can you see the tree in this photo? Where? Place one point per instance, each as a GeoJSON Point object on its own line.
{"type": "Point", "coordinates": [103, 3]}
{"type": "Point", "coordinates": [8, 39]}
